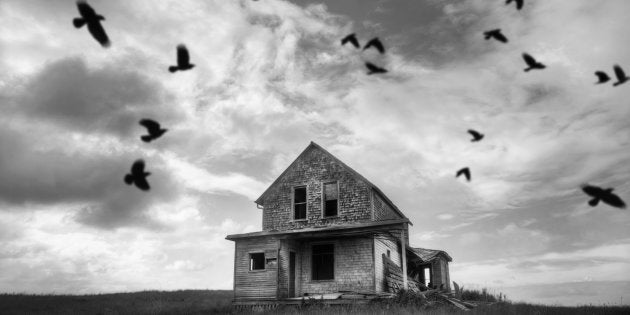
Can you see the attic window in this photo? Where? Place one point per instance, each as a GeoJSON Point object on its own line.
{"type": "Point", "coordinates": [299, 203]}
{"type": "Point", "coordinates": [257, 261]}
{"type": "Point", "coordinates": [324, 262]}
{"type": "Point", "coordinates": [331, 196]}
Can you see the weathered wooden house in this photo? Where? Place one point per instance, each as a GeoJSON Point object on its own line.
{"type": "Point", "coordinates": [328, 229]}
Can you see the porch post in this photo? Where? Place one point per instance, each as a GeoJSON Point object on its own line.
{"type": "Point", "coordinates": [404, 257]}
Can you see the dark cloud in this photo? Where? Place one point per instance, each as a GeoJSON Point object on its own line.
{"type": "Point", "coordinates": [109, 99]}
{"type": "Point", "coordinates": [55, 176]}
{"type": "Point", "coordinates": [55, 149]}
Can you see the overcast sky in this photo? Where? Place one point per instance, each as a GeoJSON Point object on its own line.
{"type": "Point", "coordinates": [270, 77]}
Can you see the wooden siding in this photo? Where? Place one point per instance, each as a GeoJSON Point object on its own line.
{"type": "Point", "coordinates": [381, 245]}
{"type": "Point", "coordinates": [287, 246]}
{"type": "Point", "coordinates": [255, 283]}
{"type": "Point", "coordinates": [353, 266]}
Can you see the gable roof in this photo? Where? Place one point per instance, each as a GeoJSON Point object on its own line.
{"type": "Point", "coordinates": [430, 254]}
{"type": "Point", "coordinates": [348, 168]}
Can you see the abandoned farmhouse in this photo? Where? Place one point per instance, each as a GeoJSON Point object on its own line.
{"type": "Point", "coordinates": [327, 229]}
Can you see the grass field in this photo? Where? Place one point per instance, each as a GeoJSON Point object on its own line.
{"type": "Point", "coordinates": [219, 302]}
{"type": "Point", "coordinates": [146, 302]}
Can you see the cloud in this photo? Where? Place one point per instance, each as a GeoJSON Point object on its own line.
{"type": "Point", "coordinates": [60, 175]}
{"type": "Point", "coordinates": [601, 263]}
{"type": "Point", "coordinates": [110, 99]}
{"type": "Point", "coordinates": [571, 293]}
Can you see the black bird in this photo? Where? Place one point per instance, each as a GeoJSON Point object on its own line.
{"type": "Point", "coordinates": [93, 21]}
{"type": "Point", "coordinates": [621, 76]}
{"type": "Point", "coordinates": [376, 43]}
{"type": "Point", "coordinates": [605, 195]}
{"type": "Point", "coordinates": [464, 171]}
{"type": "Point", "coordinates": [352, 38]}
{"type": "Point", "coordinates": [532, 63]}
{"type": "Point", "coordinates": [374, 69]}
{"type": "Point", "coordinates": [476, 135]}
{"type": "Point", "coordinates": [496, 34]}
{"type": "Point", "coordinates": [183, 60]}
{"type": "Point", "coordinates": [154, 129]}
{"type": "Point", "coordinates": [519, 3]}
{"type": "Point", "coordinates": [602, 77]}
{"type": "Point", "coordinates": [138, 176]}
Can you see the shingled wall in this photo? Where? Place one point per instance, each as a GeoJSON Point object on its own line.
{"type": "Point", "coordinates": [354, 267]}
{"type": "Point", "coordinates": [312, 169]}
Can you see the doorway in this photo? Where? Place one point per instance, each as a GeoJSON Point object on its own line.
{"type": "Point", "coordinates": [291, 274]}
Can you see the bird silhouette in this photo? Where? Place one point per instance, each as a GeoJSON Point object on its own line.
{"type": "Point", "coordinates": [496, 34]}
{"type": "Point", "coordinates": [352, 38]}
{"type": "Point", "coordinates": [374, 69]}
{"type": "Point", "coordinates": [376, 43]}
{"type": "Point", "coordinates": [138, 176]}
{"type": "Point", "coordinates": [154, 129]}
{"type": "Point", "coordinates": [605, 195]}
{"type": "Point", "coordinates": [93, 21]}
{"type": "Point", "coordinates": [519, 3]}
{"type": "Point", "coordinates": [464, 171]}
{"type": "Point", "coordinates": [621, 76]}
{"type": "Point", "coordinates": [532, 63]}
{"type": "Point", "coordinates": [183, 60]}
{"type": "Point", "coordinates": [602, 77]}
{"type": "Point", "coordinates": [476, 135]}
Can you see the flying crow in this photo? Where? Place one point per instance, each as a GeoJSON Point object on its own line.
{"type": "Point", "coordinates": [352, 38]}
{"type": "Point", "coordinates": [154, 129]}
{"type": "Point", "coordinates": [138, 176]}
{"type": "Point", "coordinates": [605, 195]}
{"type": "Point", "coordinates": [93, 21]}
{"type": "Point", "coordinates": [183, 60]}
{"type": "Point", "coordinates": [496, 34]}
{"type": "Point", "coordinates": [464, 171]}
{"type": "Point", "coordinates": [532, 64]}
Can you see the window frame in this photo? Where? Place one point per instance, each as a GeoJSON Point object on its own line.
{"type": "Point", "coordinates": [251, 265]}
{"type": "Point", "coordinates": [323, 198]}
{"type": "Point", "coordinates": [313, 262]}
{"type": "Point", "coordinates": [293, 188]}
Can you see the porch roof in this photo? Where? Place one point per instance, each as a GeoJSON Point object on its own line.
{"type": "Point", "coordinates": [335, 230]}
{"type": "Point", "coordinates": [427, 255]}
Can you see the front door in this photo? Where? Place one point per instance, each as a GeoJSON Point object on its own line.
{"type": "Point", "coordinates": [291, 274]}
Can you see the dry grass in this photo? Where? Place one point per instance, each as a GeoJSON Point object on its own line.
{"type": "Point", "coordinates": [146, 302]}
{"type": "Point", "coordinates": [219, 302]}
{"type": "Point", "coordinates": [494, 309]}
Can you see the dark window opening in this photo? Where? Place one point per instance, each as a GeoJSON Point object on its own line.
{"type": "Point", "coordinates": [299, 203]}
{"type": "Point", "coordinates": [389, 254]}
{"type": "Point", "coordinates": [331, 195]}
{"type": "Point", "coordinates": [324, 262]}
{"type": "Point", "coordinates": [257, 261]}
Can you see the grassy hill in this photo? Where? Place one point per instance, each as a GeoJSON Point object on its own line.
{"type": "Point", "coordinates": [219, 302]}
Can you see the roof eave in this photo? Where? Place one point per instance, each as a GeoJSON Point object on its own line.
{"type": "Point", "coordinates": [365, 226]}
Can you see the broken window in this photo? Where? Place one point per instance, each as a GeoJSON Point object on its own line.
{"type": "Point", "coordinates": [324, 262]}
{"type": "Point", "coordinates": [299, 203]}
{"type": "Point", "coordinates": [331, 195]}
{"type": "Point", "coordinates": [256, 261]}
